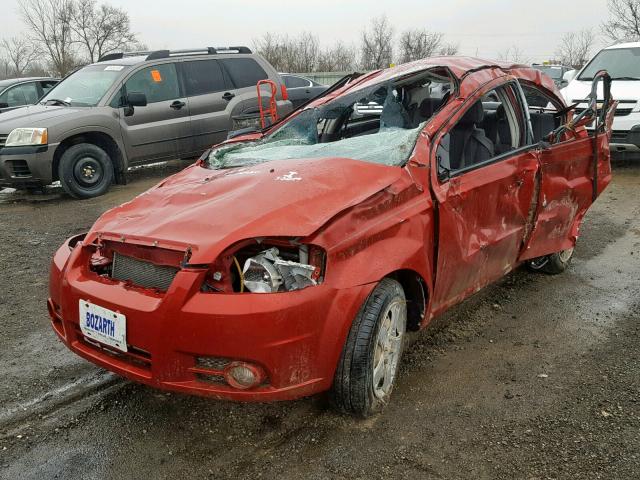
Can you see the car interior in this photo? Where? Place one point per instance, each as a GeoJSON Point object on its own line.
{"type": "Point", "coordinates": [494, 126]}
{"type": "Point", "coordinates": [405, 103]}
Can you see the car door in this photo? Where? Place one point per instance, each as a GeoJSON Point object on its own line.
{"type": "Point", "coordinates": [483, 198]}
{"type": "Point", "coordinates": [19, 96]}
{"type": "Point", "coordinates": [212, 103]}
{"type": "Point", "coordinates": [153, 132]}
{"type": "Point", "coordinates": [570, 180]}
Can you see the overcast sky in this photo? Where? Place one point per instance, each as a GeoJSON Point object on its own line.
{"type": "Point", "coordinates": [484, 28]}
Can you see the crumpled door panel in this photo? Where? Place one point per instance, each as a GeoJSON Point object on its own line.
{"type": "Point", "coordinates": [567, 190]}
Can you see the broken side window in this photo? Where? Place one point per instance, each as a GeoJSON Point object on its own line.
{"type": "Point", "coordinates": [379, 124]}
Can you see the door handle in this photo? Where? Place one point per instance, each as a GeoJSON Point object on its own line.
{"type": "Point", "coordinates": [228, 96]}
{"type": "Point", "coordinates": [519, 182]}
{"type": "Point", "coordinates": [177, 105]}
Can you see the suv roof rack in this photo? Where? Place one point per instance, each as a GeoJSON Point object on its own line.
{"type": "Point", "coordinates": [157, 54]}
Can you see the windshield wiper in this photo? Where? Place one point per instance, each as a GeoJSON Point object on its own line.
{"type": "Point", "coordinates": [57, 101]}
{"type": "Point", "coordinates": [625, 78]}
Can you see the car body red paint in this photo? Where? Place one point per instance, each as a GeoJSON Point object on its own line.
{"type": "Point", "coordinates": [454, 235]}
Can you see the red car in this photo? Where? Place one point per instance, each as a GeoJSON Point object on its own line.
{"type": "Point", "coordinates": [292, 261]}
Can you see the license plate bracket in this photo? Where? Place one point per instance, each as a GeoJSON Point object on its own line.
{"type": "Point", "coordinates": [103, 325]}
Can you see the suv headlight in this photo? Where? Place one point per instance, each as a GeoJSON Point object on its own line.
{"type": "Point", "coordinates": [27, 136]}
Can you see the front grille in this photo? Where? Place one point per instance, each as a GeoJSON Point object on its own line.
{"type": "Point", "coordinates": [3, 140]}
{"type": "Point", "coordinates": [141, 273]}
{"type": "Point", "coordinates": [19, 168]}
{"type": "Point", "coordinates": [619, 136]}
{"type": "Point", "coordinates": [620, 112]}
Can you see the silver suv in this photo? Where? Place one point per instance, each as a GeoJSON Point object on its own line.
{"type": "Point", "coordinates": [132, 109]}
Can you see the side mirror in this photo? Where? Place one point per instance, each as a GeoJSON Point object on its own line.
{"type": "Point", "coordinates": [136, 99]}
{"type": "Point", "coordinates": [570, 75]}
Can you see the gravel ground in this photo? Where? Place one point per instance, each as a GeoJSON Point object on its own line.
{"type": "Point", "coordinates": [536, 377]}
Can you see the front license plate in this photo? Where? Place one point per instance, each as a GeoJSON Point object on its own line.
{"type": "Point", "coordinates": [103, 325]}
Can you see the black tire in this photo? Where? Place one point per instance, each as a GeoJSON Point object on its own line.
{"type": "Point", "coordinates": [85, 171]}
{"type": "Point", "coordinates": [353, 389]}
{"type": "Point", "coordinates": [552, 264]}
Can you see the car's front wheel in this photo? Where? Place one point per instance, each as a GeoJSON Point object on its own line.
{"type": "Point", "coordinates": [85, 171]}
{"type": "Point", "coordinates": [371, 355]}
{"type": "Point", "coordinates": [553, 264]}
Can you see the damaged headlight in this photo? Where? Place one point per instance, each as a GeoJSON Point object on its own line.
{"type": "Point", "coordinates": [268, 265]}
{"type": "Point", "coordinates": [268, 273]}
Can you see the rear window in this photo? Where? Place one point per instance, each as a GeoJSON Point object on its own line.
{"type": "Point", "coordinates": [203, 76]}
{"type": "Point", "coordinates": [292, 81]}
{"type": "Point", "coordinates": [244, 72]}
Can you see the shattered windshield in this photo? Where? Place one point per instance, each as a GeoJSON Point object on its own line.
{"type": "Point", "coordinates": [377, 124]}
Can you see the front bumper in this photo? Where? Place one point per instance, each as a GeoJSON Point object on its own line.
{"type": "Point", "coordinates": [296, 337]}
{"type": "Point", "coordinates": [26, 166]}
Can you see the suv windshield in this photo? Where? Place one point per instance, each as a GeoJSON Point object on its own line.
{"type": "Point", "coordinates": [621, 63]}
{"type": "Point", "coordinates": [348, 127]}
{"type": "Point", "coordinates": [85, 87]}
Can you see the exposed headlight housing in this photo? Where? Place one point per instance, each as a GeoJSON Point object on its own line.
{"type": "Point", "coordinates": [20, 137]}
{"type": "Point", "coordinates": [268, 273]}
{"type": "Point", "coordinates": [267, 266]}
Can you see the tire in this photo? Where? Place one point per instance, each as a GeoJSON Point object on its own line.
{"type": "Point", "coordinates": [85, 171]}
{"type": "Point", "coordinates": [552, 264]}
{"type": "Point", "coordinates": [382, 320]}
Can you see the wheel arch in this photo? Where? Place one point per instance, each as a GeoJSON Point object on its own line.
{"type": "Point", "coordinates": [416, 293]}
{"type": "Point", "coordinates": [95, 137]}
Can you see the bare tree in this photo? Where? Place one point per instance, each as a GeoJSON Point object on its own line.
{"type": "Point", "coordinates": [49, 24]}
{"type": "Point", "coordinates": [513, 54]}
{"type": "Point", "coordinates": [339, 58]}
{"type": "Point", "coordinates": [100, 29]}
{"type": "Point", "coordinates": [449, 49]}
{"type": "Point", "coordinates": [290, 54]}
{"type": "Point", "coordinates": [624, 21]}
{"type": "Point", "coordinates": [377, 44]}
{"type": "Point", "coordinates": [417, 44]}
{"type": "Point", "coordinates": [20, 53]}
{"type": "Point", "coordinates": [575, 47]}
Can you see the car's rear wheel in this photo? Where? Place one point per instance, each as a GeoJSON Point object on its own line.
{"type": "Point", "coordinates": [371, 355]}
{"type": "Point", "coordinates": [552, 264]}
{"type": "Point", "coordinates": [85, 171]}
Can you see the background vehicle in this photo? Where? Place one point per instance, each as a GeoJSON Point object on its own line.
{"type": "Point", "coordinates": [130, 109]}
{"type": "Point", "coordinates": [622, 62]}
{"type": "Point", "coordinates": [293, 261]}
{"type": "Point", "coordinates": [18, 92]}
{"type": "Point", "coordinates": [301, 88]}
{"type": "Point", "coordinates": [556, 72]}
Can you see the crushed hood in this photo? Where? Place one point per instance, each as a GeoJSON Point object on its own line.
{"type": "Point", "coordinates": [208, 210]}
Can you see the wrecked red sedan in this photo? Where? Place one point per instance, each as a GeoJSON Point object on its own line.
{"type": "Point", "coordinates": [293, 261]}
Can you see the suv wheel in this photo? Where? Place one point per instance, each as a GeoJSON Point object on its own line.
{"type": "Point", "coordinates": [85, 171]}
{"type": "Point", "coordinates": [370, 358]}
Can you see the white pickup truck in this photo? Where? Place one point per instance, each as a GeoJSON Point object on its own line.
{"type": "Point", "coordinates": [622, 62]}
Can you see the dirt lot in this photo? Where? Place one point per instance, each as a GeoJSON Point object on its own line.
{"type": "Point", "coordinates": [536, 377]}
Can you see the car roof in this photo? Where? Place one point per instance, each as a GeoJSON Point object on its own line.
{"type": "Point", "coordinates": [12, 81]}
{"type": "Point", "coordinates": [460, 66]}
{"type": "Point", "coordinates": [623, 45]}
{"type": "Point", "coordinates": [132, 60]}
